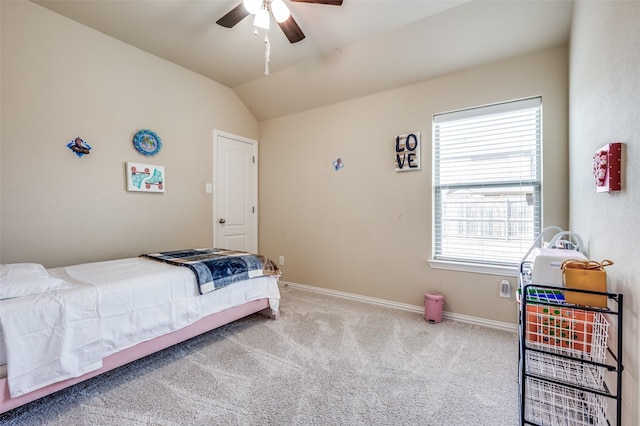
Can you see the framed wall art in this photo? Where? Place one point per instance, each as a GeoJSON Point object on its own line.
{"type": "Point", "coordinates": [145, 177]}
{"type": "Point", "coordinates": [607, 169]}
{"type": "Point", "coordinates": [407, 152]}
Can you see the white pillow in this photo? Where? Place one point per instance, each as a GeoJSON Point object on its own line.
{"type": "Point", "coordinates": [30, 269]}
{"type": "Point", "coordinates": [24, 279]}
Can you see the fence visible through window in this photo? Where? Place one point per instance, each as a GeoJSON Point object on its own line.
{"type": "Point", "coordinates": [487, 182]}
{"type": "Point", "coordinates": [472, 224]}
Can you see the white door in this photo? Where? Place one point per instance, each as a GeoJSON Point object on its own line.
{"type": "Point", "coordinates": [235, 184]}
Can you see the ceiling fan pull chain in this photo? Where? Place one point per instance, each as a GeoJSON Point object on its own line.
{"type": "Point", "coordinates": [267, 53]}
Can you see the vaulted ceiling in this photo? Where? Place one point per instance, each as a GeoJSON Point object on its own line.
{"type": "Point", "coordinates": [359, 48]}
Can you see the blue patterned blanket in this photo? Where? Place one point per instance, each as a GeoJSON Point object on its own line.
{"type": "Point", "coordinates": [217, 268]}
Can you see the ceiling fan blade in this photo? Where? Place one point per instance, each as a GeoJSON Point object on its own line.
{"type": "Point", "coordinates": [330, 2]}
{"type": "Point", "coordinates": [292, 30]}
{"type": "Point", "coordinates": [236, 15]}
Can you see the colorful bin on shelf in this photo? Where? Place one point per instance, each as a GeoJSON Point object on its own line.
{"type": "Point", "coordinates": [563, 327]}
{"type": "Point", "coordinates": [433, 307]}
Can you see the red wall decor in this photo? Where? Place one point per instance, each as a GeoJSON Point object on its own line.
{"type": "Point", "coordinates": [607, 163]}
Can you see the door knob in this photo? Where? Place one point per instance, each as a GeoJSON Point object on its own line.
{"type": "Point", "coordinates": [222, 221]}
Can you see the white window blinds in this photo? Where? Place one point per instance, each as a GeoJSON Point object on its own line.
{"type": "Point", "coordinates": [487, 191]}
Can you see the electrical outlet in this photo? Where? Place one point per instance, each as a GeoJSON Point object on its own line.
{"type": "Point", "coordinates": [505, 289]}
{"type": "Point", "coordinates": [281, 260]}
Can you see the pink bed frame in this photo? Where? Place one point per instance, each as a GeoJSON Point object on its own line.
{"type": "Point", "coordinates": [142, 349]}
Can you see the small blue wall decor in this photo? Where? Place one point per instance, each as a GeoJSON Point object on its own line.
{"type": "Point", "coordinates": [338, 164]}
{"type": "Point", "coordinates": [79, 147]}
{"type": "Point", "coordinates": [147, 143]}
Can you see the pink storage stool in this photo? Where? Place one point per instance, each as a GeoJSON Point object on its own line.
{"type": "Point", "coordinates": [433, 307]}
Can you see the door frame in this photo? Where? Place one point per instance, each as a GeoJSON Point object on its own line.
{"type": "Point", "coordinates": [254, 144]}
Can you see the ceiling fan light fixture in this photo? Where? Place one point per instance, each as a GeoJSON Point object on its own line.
{"type": "Point", "coordinates": [280, 11]}
{"type": "Point", "coordinates": [252, 6]}
{"type": "Point", "coordinates": [262, 19]}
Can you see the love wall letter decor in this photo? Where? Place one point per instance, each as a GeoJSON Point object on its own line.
{"type": "Point", "coordinates": [407, 155]}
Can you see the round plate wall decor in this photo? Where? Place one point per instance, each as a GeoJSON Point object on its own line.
{"type": "Point", "coordinates": [147, 143]}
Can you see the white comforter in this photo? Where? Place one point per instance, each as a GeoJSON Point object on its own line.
{"type": "Point", "coordinates": [113, 305]}
{"type": "Point", "coordinates": [51, 337]}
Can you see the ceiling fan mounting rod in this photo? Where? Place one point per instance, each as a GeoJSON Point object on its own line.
{"type": "Point", "coordinates": [267, 53]}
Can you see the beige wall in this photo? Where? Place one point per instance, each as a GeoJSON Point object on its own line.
{"type": "Point", "coordinates": [60, 80]}
{"type": "Point", "coordinates": [367, 229]}
{"type": "Point", "coordinates": [604, 93]}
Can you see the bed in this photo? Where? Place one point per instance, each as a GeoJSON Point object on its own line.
{"type": "Point", "coordinates": [64, 325]}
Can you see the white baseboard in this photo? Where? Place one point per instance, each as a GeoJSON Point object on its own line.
{"type": "Point", "coordinates": [403, 306]}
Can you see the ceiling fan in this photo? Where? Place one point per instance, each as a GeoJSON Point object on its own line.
{"type": "Point", "coordinates": [262, 8]}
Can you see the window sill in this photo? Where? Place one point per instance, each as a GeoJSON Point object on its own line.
{"type": "Point", "coordinates": [510, 271]}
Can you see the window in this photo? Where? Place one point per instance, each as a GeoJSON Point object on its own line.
{"type": "Point", "coordinates": [487, 192]}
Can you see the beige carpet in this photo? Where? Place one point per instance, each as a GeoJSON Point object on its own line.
{"type": "Point", "coordinates": [326, 361]}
